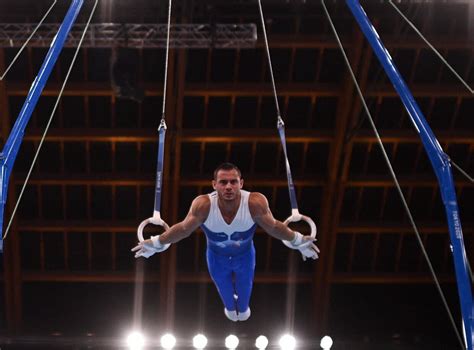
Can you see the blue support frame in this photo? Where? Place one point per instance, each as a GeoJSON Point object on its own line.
{"type": "Point", "coordinates": [10, 150]}
{"type": "Point", "coordinates": [439, 161]}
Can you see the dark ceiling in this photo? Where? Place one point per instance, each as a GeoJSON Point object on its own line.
{"type": "Point", "coordinates": [67, 266]}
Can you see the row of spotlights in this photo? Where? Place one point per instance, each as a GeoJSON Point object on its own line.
{"type": "Point", "coordinates": [136, 341]}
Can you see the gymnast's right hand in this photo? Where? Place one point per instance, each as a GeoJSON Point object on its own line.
{"type": "Point", "coordinates": [149, 247]}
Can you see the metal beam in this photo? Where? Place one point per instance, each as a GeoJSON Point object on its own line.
{"type": "Point", "coordinates": [186, 135]}
{"type": "Point", "coordinates": [190, 89]}
{"type": "Point", "coordinates": [130, 180]}
{"type": "Point", "coordinates": [247, 135]}
{"type": "Point", "coordinates": [173, 165]}
{"type": "Point", "coordinates": [195, 35]}
{"type": "Point", "coordinates": [134, 35]}
{"type": "Point", "coordinates": [241, 89]}
{"type": "Point", "coordinates": [39, 226]}
{"type": "Point", "coordinates": [136, 180]}
{"type": "Point", "coordinates": [429, 228]}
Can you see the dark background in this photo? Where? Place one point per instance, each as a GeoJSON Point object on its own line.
{"type": "Point", "coordinates": [69, 279]}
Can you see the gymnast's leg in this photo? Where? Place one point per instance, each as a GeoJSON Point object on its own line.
{"type": "Point", "coordinates": [244, 271]}
{"type": "Point", "coordinates": [221, 273]}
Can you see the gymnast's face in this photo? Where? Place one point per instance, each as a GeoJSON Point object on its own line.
{"type": "Point", "coordinates": [228, 184]}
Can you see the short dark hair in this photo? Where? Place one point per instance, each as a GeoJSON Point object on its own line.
{"type": "Point", "coordinates": [227, 166]}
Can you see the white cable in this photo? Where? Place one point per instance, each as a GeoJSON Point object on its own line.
{"type": "Point", "coordinates": [27, 40]}
{"type": "Point", "coordinates": [262, 18]}
{"type": "Point", "coordinates": [432, 48]}
{"type": "Point", "coordinates": [394, 176]}
{"type": "Point", "coordinates": [461, 170]}
{"type": "Point", "coordinates": [166, 60]}
{"type": "Point", "coordinates": [49, 121]}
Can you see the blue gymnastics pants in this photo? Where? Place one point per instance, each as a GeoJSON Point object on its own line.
{"type": "Point", "coordinates": [233, 275]}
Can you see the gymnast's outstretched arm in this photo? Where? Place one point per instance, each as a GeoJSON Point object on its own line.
{"type": "Point", "coordinates": [196, 216]}
{"type": "Point", "coordinates": [261, 214]}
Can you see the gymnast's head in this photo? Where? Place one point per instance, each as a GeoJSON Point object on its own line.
{"type": "Point", "coordinates": [227, 181]}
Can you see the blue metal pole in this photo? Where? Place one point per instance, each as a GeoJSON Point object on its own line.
{"type": "Point", "coordinates": [10, 150]}
{"type": "Point", "coordinates": [440, 163]}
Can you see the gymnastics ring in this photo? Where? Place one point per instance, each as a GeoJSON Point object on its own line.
{"type": "Point", "coordinates": [154, 220]}
{"type": "Point", "coordinates": [295, 217]}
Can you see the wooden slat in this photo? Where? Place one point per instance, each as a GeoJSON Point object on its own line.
{"type": "Point", "coordinates": [203, 277]}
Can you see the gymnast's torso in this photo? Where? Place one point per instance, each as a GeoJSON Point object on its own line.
{"type": "Point", "coordinates": [229, 239]}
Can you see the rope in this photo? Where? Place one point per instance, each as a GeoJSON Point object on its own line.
{"type": "Point", "coordinates": [27, 41]}
{"type": "Point", "coordinates": [49, 121]}
{"type": "Point", "coordinates": [280, 122]}
{"type": "Point", "coordinates": [397, 184]}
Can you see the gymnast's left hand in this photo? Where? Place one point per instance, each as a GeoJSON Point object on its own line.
{"type": "Point", "coordinates": [306, 246]}
{"type": "Point", "coordinates": [145, 249]}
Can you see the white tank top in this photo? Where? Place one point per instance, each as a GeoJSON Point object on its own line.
{"type": "Point", "coordinates": [233, 238]}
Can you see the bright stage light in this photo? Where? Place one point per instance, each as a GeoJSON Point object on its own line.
{"type": "Point", "coordinates": [199, 341]}
{"type": "Point", "coordinates": [231, 342]}
{"type": "Point", "coordinates": [326, 342]}
{"type": "Point", "coordinates": [135, 341]}
{"type": "Point", "coordinates": [261, 342]}
{"type": "Point", "coordinates": [168, 341]}
{"type": "Point", "coordinates": [287, 342]}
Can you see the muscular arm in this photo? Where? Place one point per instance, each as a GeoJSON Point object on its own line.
{"type": "Point", "coordinates": [262, 215]}
{"type": "Point", "coordinates": [197, 215]}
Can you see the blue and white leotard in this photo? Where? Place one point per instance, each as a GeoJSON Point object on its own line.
{"type": "Point", "coordinates": [231, 253]}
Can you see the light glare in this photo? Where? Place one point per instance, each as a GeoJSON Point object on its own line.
{"type": "Point", "coordinates": [261, 342]}
{"type": "Point", "coordinates": [199, 341]}
{"type": "Point", "coordinates": [135, 341]}
{"type": "Point", "coordinates": [287, 342]}
{"type": "Point", "coordinates": [326, 342]}
{"type": "Point", "coordinates": [231, 342]}
{"type": "Point", "coordinates": [168, 341]}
